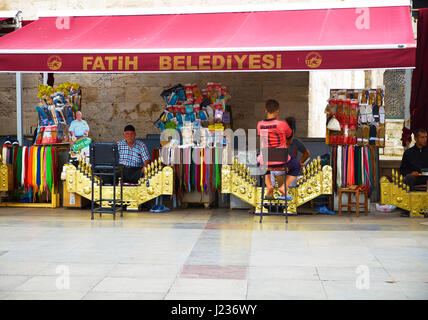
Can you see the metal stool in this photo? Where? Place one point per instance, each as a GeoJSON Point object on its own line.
{"type": "Point", "coordinates": [274, 206]}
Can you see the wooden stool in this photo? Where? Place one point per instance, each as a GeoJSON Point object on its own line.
{"type": "Point", "coordinates": [357, 205]}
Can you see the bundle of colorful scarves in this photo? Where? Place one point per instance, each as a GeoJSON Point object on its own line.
{"type": "Point", "coordinates": [196, 169]}
{"type": "Point", "coordinates": [34, 169]}
{"type": "Point", "coordinates": [354, 165]}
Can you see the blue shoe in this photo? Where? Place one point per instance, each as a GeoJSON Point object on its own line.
{"type": "Point", "coordinates": [324, 209]}
{"type": "Point", "coordinates": [165, 209]}
{"type": "Point", "coordinates": [161, 209]}
{"type": "Point", "coordinates": [289, 198]}
{"type": "Point", "coordinates": [154, 208]}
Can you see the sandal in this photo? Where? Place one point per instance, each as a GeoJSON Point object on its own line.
{"type": "Point", "coordinates": [289, 198]}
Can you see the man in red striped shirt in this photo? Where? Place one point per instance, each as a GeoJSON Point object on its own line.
{"type": "Point", "coordinates": [275, 133]}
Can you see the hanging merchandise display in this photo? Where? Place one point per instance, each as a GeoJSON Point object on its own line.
{"type": "Point", "coordinates": [197, 171]}
{"type": "Point", "coordinates": [34, 174]}
{"type": "Point", "coordinates": [189, 109]}
{"type": "Point", "coordinates": [34, 169]}
{"type": "Point", "coordinates": [56, 110]}
{"type": "Point", "coordinates": [356, 117]}
{"type": "Point", "coordinates": [354, 165]}
{"type": "Point", "coordinates": [200, 116]}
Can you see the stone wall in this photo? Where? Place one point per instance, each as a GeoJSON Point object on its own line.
{"type": "Point", "coordinates": [320, 83]}
{"type": "Point", "coordinates": [8, 103]}
{"type": "Point", "coordinates": [110, 101]}
{"type": "Point", "coordinates": [393, 148]}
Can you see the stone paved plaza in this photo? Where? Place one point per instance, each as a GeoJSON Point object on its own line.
{"type": "Point", "coordinates": [210, 254]}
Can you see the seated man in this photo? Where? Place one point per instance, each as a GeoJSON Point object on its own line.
{"type": "Point", "coordinates": [133, 155]}
{"type": "Point", "coordinates": [414, 160]}
{"type": "Point", "coordinates": [274, 133]}
{"type": "Point", "coordinates": [296, 145]}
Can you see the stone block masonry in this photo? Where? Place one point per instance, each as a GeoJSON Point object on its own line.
{"type": "Point", "coordinates": [110, 101]}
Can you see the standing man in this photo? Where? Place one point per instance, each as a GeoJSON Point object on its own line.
{"type": "Point", "coordinates": [133, 155]}
{"type": "Point", "coordinates": [414, 160]}
{"type": "Point", "coordinates": [78, 128]}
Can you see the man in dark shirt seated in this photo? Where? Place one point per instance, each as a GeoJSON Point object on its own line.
{"type": "Point", "coordinates": [414, 160]}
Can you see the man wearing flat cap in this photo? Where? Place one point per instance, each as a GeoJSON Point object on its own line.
{"type": "Point", "coordinates": [133, 155]}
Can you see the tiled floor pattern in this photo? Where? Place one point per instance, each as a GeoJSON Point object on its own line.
{"type": "Point", "coordinates": [210, 254]}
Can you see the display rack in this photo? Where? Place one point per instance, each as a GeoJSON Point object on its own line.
{"type": "Point", "coordinates": [7, 185]}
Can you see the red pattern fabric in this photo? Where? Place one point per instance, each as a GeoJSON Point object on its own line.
{"type": "Point", "coordinates": [406, 136]}
{"type": "Point", "coordinates": [419, 97]}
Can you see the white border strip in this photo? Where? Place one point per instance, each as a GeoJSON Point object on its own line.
{"type": "Point", "coordinates": [8, 14]}
{"type": "Point", "coordinates": [208, 50]}
{"type": "Point", "coordinates": [223, 9]}
{"type": "Point", "coordinates": [205, 71]}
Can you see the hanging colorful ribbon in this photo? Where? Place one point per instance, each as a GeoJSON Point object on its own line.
{"type": "Point", "coordinates": [339, 166]}
{"type": "Point", "coordinates": [180, 175]}
{"type": "Point", "coordinates": [366, 169]}
{"type": "Point", "coordinates": [356, 165]}
{"type": "Point", "coordinates": [217, 171]}
{"type": "Point", "coordinates": [344, 166]}
{"type": "Point", "coordinates": [30, 168]}
{"type": "Point", "coordinates": [44, 182]}
{"type": "Point", "coordinates": [212, 170]}
{"type": "Point", "coordinates": [207, 170]}
{"type": "Point", "coordinates": [189, 170]}
{"type": "Point", "coordinates": [197, 171]}
{"type": "Point", "coordinates": [54, 169]}
{"type": "Point", "coordinates": [362, 175]}
{"type": "Point", "coordinates": [348, 167]}
{"type": "Point", "coordinates": [370, 168]}
{"type": "Point", "coordinates": [38, 171]}
{"type": "Point", "coordinates": [15, 154]}
{"type": "Point", "coordinates": [49, 170]}
{"type": "Point", "coordinates": [42, 170]}
{"type": "Point", "coordinates": [34, 171]}
{"type": "Point", "coordinates": [201, 178]}
{"type": "Point", "coordinates": [18, 166]}
{"type": "Point", "coordinates": [21, 176]}
{"type": "Point", "coordinates": [186, 171]}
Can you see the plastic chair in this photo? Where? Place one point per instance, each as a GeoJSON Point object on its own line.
{"type": "Point", "coordinates": [104, 159]}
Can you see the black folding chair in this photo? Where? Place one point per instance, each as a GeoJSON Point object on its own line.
{"type": "Point", "coordinates": [104, 159]}
{"type": "Point", "coordinates": [273, 206]}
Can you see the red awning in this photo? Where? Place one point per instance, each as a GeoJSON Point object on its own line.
{"type": "Point", "coordinates": [340, 38]}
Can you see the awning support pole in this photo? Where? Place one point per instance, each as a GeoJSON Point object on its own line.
{"type": "Point", "coordinates": [19, 136]}
{"type": "Point", "coordinates": [19, 107]}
